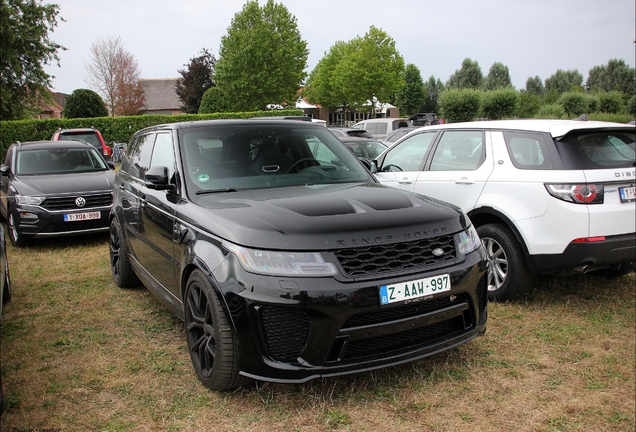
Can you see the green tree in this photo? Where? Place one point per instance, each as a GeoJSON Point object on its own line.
{"type": "Point", "coordinates": [325, 86]}
{"type": "Point", "coordinates": [433, 89]}
{"type": "Point", "coordinates": [616, 75]}
{"type": "Point", "coordinates": [564, 81]}
{"type": "Point", "coordinates": [376, 69]}
{"type": "Point", "coordinates": [412, 97]}
{"type": "Point", "coordinates": [262, 58]}
{"type": "Point", "coordinates": [25, 48]}
{"type": "Point", "coordinates": [534, 86]}
{"type": "Point", "coordinates": [468, 76]}
{"type": "Point", "coordinates": [195, 79]}
{"type": "Point", "coordinates": [460, 105]}
{"type": "Point", "coordinates": [84, 103]}
{"type": "Point", "coordinates": [498, 77]}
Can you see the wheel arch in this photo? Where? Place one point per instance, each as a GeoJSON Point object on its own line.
{"type": "Point", "coordinates": [488, 215]}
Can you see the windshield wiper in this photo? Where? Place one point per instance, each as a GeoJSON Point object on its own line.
{"type": "Point", "coordinates": [212, 191]}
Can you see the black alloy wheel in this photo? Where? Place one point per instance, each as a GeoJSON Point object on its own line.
{"type": "Point", "coordinates": [123, 274]}
{"type": "Point", "coordinates": [210, 339]}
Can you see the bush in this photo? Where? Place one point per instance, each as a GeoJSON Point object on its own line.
{"type": "Point", "coordinates": [631, 106]}
{"type": "Point", "coordinates": [551, 111]}
{"type": "Point", "coordinates": [528, 105]}
{"type": "Point", "coordinates": [84, 103]}
{"type": "Point", "coordinates": [460, 105]}
{"type": "Point", "coordinates": [499, 104]}
{"type": "Point", "coordinates": [611, 102]}
{"type": "Point", "coordinates": [213, 101]}
{"type": "Point", "coordinates": [593, 104]}
{"type": "Point", "coordinates": [574, 103]}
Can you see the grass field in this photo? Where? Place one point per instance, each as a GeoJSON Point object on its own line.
{"type": "Point", "coordinates": [80, 354]}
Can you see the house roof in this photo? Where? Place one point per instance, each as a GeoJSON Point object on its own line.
{"type": "Point", "coordinates": [160, 94]}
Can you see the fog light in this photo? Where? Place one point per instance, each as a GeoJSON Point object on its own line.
{"type": "Point", "coordinates": [28, 217]}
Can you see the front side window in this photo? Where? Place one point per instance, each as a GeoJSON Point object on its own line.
{"type": "Point", "coordinates": [265, 156]}
{"type": "Point", "coordinates": [163, 155]}
{"type": "Point", "coordinates": [459, 151]}
{"type": "Point", "coordinates": [409, 154]}
{"type": "Point", "coordinates": [140, 154]}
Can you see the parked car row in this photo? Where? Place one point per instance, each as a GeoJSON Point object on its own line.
{"type": "Point", "coordinates": [294, 252]}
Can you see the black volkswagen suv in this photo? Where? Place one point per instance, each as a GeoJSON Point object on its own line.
{"type": "Point", "coordinates": [284, 256]}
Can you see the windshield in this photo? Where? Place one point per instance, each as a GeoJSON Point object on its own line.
{"type": "Point", "coordinates": [240, 157]}
{"type": "Point", "coordinates": [58, 161]}
{"type": "Point", "coordinates": [603, 149]}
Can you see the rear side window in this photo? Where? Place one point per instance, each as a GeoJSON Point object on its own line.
{"type": "Point", "coordinates": [139, 155]}
{"type": "Point", "coordinates": [603, 149]}
{"type": "Point", "coordinates": [528, 150]}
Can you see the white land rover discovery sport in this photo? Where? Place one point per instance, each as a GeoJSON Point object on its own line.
{"type": "Point", "coordinates": [546, 196]}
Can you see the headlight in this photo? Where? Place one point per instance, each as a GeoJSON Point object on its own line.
{"type": "Point", "coordinates": [468, 241]}
{"type": "Point", "coordinates": [28, 200]}
{"type": "Point", "coordinates": [277, 263]}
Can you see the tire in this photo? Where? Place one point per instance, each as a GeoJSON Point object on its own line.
{"type": "Point", "coordinates": [123, 274]}
{"type": "Point", "coordinates": [508, 274]}
{"type": "Point", "coordinates": [17, 239]}
{"type": "Point", "coordinates": [211, 342]}
{"type": "Point", "coordinates": [6, 290]}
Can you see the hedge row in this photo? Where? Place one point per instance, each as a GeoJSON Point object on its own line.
{"type": "Point", "coordinates": [114, 129]}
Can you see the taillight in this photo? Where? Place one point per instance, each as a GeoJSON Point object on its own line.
{"type": "Point", "coordinates": [583, 193]}
{"type": "Point", "coordinates": [589, 239]}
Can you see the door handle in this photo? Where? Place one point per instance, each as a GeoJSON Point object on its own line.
{"type": "Point", "coordinates": [405, 180]}
{"type": "Point", "coordinates": [465, 180]}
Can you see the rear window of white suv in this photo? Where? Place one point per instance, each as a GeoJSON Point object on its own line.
{"type": "Point", "coordinates": [603, 149]}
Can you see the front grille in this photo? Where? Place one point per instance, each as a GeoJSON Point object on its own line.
{"type": "Point", "coordinates": [407, 339]}
{"type": "Point", "coordinates": [85, 225]}
{"type": "Point", "coordinates": [285, 331]}
{"type": "Point", "coordinates": [379, 259]}
{"type": "Point", "coordinates": [68, 203]}
{"type": "Point", "coordinates": [397, 313]}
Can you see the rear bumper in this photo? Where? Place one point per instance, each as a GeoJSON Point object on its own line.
{"type": "Point", "coordinates": [589, 256]}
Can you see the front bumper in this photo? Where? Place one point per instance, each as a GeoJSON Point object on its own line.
{"type": "Point", "coordinates": [43, 223]}
{"type": "Point", "coordinates": [295, 330]}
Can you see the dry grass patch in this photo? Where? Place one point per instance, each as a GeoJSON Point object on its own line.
{"type": "Point", "coordinates": [80, 354]}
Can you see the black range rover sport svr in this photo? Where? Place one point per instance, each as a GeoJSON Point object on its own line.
{"type": "Point", "coordinates": [284, 256]}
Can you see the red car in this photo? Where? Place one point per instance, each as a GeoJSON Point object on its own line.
{"type": "Point", "coordinates": [90, 135]}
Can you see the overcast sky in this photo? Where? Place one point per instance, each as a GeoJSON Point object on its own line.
{"type": "Point", "coordinates": [531, 37]}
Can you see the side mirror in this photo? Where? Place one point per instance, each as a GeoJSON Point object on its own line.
{"type": "Point", "coordinates": [369, 165]}
{"type": "Point", "coordinates": [110, 164]}
{"type": "Point", "coordinates": [157, 178]}
{"type": "Point", "coordinates": [5, 170]}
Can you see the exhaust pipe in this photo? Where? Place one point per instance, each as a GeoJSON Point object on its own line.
{"type": "Point", "coordinates": [582, 269]}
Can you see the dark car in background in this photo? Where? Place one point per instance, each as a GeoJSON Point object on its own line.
{"type": "Point", "coordinates": [89, 135]}
{"type": "Point", "coordinates": [398, 133]}
{"type": "Point", "coordinates": [367, 148]}
{"type": "Point", "coordinates": [285, 257]}
{"type": "Point", "coordinates": [54, 188]}
{"type": "Point", "coordinates": [350, 132]}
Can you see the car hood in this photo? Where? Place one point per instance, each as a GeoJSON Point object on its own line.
{"type": "Point", "coordinates": [65, 184]}
{"type": "Point", "coordinates": [324, 217]}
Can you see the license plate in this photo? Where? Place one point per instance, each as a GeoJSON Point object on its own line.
{"type": "Point", "coordinates": [414, 289]}
{"type": "Point", "coordinates": [81, 216]}
{"type": "Point", "coordinates": [628, 194]}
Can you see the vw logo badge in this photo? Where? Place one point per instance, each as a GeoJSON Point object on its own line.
{"type": "Point", "coordinates": [80, 202]}
{"type": "Point", "coordinates": [438, 252]}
